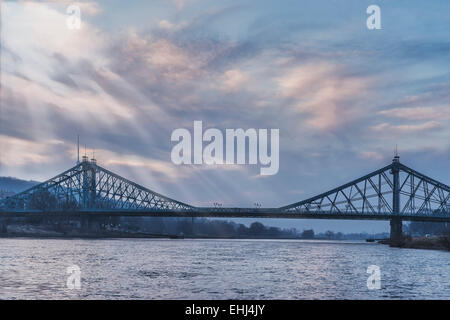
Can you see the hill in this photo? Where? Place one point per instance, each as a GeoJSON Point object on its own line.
{"type": "Point", "coordinates": [10, 185]}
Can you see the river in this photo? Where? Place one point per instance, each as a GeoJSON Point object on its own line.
{"type": "Point", "coordinates": [218, 269]}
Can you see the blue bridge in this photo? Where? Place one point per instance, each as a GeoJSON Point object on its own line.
{"type": "Point", "coordinates": [393, 193]}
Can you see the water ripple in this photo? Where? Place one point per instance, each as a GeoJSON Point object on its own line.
{"type": "Point", "coordinates": [218, 269]}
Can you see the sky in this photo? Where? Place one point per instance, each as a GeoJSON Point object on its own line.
{"type": "Point", "coordinates": [342, 96]}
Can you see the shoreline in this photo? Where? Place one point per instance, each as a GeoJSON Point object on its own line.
{"type": "Point", "coordinates": [134, 236]}
{"type": "Point", "coordinates": [428, 243]}
{"type": "Point", "coordinates": [124, 235]}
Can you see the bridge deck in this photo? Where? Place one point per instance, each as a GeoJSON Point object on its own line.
{"type": "Point", "coordinates": [228, 213]}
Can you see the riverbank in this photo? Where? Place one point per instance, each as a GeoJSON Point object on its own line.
{"type": "Point", "coordinates": [124, 235]}
{"type": "Point", "coordinates": [34, 232]}
{"type": "Point", "coordinates": [430, 243]}
{"type": "Point", "coordinates": [28, 231]}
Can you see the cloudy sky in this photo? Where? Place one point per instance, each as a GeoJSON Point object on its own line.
{"type": "Point", "coordinates": [342, 96]}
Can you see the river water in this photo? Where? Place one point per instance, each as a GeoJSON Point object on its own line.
{"type": "Point", "coordinates": [218, 269]}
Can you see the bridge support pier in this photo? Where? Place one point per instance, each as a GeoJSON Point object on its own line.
{"type": "Point", "coordinates": [84, 222]}
{"type": "Point", "coordinates": [94, 225]}
{"type": "Point", "coordinates": [3, 225]}
{"type": "Point", "coordinates": [396, 230]}
{"type": "Point", "coordinates": [90, 223]}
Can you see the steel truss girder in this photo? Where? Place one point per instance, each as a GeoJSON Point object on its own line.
{"type": "Point", "coordinates": [88, 186]}
{"type": "Point", "coordinates": [372, 195]}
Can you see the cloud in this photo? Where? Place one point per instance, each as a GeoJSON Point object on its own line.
{"type": "Point", "coordinates": [325, 94]}
{"type": "Point", "coordinates": [157, 65]}
{"type": "Point", "coordinates": [166, 169]}
{"type": "Point", "coordinates": [41, 27]}
{"type": "Point", "coordinates": [88, 7]}
{"type": "Point", "coordinates": [169, 26]}
{"type": "Point", "coordinates": [179, 4]}
{"type": "Point", "coordinates": [419, 113]}
{"type": "Point", "coordinates": [387, 128]}
{"type": "Point", "coordinates": [233, 80]}
{"type": "Point", "coordinates": [372, 155]}
{"type": "Point", "coordinates": [18, 152]}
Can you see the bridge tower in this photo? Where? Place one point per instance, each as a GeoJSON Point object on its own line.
{"type": "Point", "coordinates": [89, 173]}
{"type": "Point", "coordinates": [396, 222]}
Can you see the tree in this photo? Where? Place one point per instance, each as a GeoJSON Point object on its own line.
{"type": "Point", "coordinates": [329, 234]}
{"type": "Point", "coordinates": [242, 230]}
{"type": "Point", "coordinates": [257, 229]}
{"type": "Point", "coordinates": [273, 232]}
{"type": "Point", "coordinates": [308, 234]}
{"type": "Point", "coordinates": [42, 200]}
{"type": "Point", "coordinates": [68, 204]}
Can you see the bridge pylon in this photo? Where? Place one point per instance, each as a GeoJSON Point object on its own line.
{"type": "Point", "coordinates": [396, 232]}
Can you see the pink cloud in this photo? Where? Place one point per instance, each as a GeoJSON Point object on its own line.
{"type": "Point", "coordinates": [407, 128]}
{"type": "Point", "coordinates": [371, 155]}
{"type": "Point", "coordinates": [233, 79]}
{"type": "Point", "coordinates": [17, 152]}
{"type": "Point", "coordinates": [419, 113]}
{"type": "Point", "coordinates": [321, 91]}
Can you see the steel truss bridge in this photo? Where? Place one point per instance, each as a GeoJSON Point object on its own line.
{"type": "Point", "coordinates": [394, 192]}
